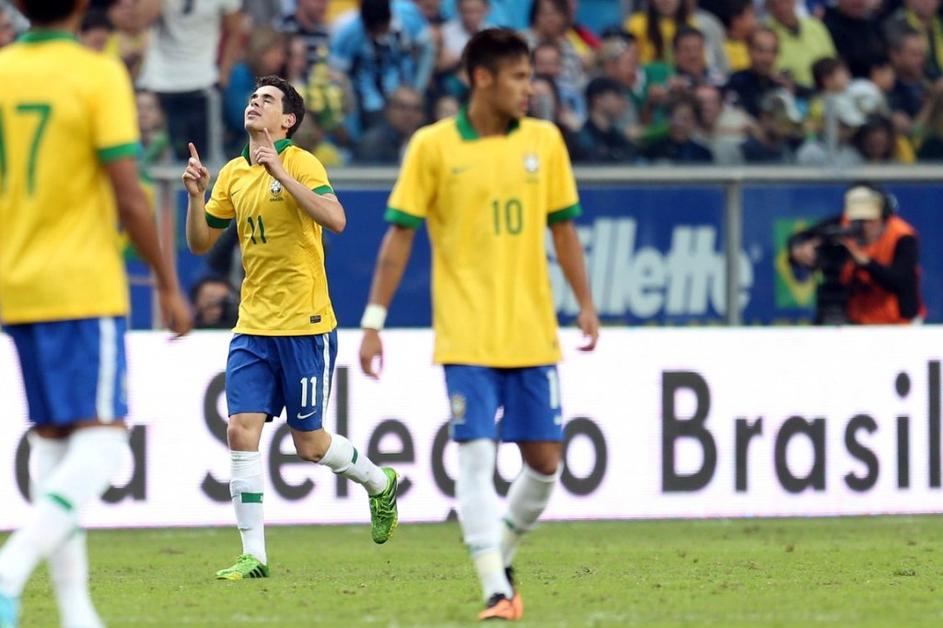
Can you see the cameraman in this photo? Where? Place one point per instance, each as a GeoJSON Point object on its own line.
{"type": "Point", "coordinates": [869, 261]}
{"type": "Point", "coordinates": [214, 303]}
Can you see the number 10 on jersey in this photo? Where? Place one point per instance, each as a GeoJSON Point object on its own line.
{"type": "Point", "coordinates": [508, 216]}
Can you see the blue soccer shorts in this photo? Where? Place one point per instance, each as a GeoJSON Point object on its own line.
{"type": "Point", "coordinates": [74, 370]}
{"type": "Point", "coordinates": [529, 397]}
{"type": "Point", "coordinates": [270, 373]}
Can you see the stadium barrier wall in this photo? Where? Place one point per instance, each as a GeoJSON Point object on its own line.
{"type": "Point", "coordinates": [676, 423]}
{"type": "Point", "coordinates": [657, 243]}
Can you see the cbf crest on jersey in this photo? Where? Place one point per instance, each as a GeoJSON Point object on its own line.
{"type": "Point", "coordinates": [276, 190]}
{"type": "Point", "coordinates": [531, 163]}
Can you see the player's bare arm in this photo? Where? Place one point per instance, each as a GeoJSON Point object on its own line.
{"type": "Point", "coordinates": [324, 209]}
{"type": "Point", "coordinates": [391, 262]}
{"type": "Point", "coordinates": [566, 242]}
{"type": "Point", "coordinates": [136, 218]}
{"type": "Point", "coordinates": [196, 179]}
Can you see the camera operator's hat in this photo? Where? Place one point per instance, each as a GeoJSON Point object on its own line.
{"type": "Point", "coordinates": [862, 203]}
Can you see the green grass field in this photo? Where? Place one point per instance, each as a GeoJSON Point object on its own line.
{"type": "Point", "coordinates": [882, 571]}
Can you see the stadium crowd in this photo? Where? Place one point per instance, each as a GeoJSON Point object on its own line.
{"type": "Point", "coordinates": [670, 81]}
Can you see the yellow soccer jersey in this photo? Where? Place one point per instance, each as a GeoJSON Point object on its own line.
{"type": "Point", "coordinates": [285, 291]}
{"type": "Point", "coordinates": [488, 202]}
{"type": "Point", "coordinates": [64, 112]}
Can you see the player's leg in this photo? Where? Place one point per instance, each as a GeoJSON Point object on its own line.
{"type": "Point", "coordinates": [74, 373]}
{"type": "Point", "coordinates": [474, 395]}
{"type": "Point", "coordinates": [533, 420]}
{"type": "Point", "coordinates": [308, 363]}
{"type": "Point", "coordinates": [252, 396]}
{"type": "Point", "coordinates": [68, 563]}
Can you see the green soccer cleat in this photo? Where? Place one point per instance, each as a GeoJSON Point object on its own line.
{"type": "Point", "coordinates": [247, 566]}
{"type": "Point", "coordinates": [383, 513]}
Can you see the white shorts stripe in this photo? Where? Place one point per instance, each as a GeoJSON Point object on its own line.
{"type": "Point", "coordinates": [326, 375]}
{"type": "Point", "coordinates": [107, 369]}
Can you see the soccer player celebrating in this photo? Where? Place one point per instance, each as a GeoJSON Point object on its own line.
{"type": "Point", "coordinates": [68, 140]}
{"type": "Point", "coordinates": [283, 352]}
{"type": "Point", "coordinates": [490, 182]}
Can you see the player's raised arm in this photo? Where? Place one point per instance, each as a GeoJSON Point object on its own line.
{"type": "Point", "coordinates": [136, 218]}
{"type": "Point", "coordinates": [391, 262]}
{"type": "Point", "coordinates": [196, 179]}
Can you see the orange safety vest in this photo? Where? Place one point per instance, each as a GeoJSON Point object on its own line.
{"type": "Point", "coordinates": [870, 303]}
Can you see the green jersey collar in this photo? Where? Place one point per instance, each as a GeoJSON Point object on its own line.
{"type": "Point", "coordinates": [39, 35]}
{"type": "Point", "coordinates": [468, 133]}
{"type": "Point", "coordinates": [280, 145]}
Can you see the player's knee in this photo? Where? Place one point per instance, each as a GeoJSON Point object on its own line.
{"type": "Point", "coordinates": [312, 452]}
{"type": "Point", "coordinates": [239, 436]}
{"type": "Point", "coordinates": [546, 466]}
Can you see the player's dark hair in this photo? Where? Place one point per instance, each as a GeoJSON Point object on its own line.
{"type": "Point", "coordinates": [375, 13]}
{"type": "Point", "coordinates": [96, 18]}
{"type": "Point", "coordinates": [491, 47]}
{"type": "Point", "coordinates": [292, 102]}
{"type": "Point", "coordinates": [42, 12]}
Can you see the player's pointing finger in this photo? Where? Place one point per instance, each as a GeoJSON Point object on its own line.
{"type": "Point", "coordinates": [193, 153]}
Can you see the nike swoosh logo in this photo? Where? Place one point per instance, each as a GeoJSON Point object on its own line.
{"type": "Point", "coordinates": [558, 420]}
{"type": "Point", "coordinates": [305, 416]}
{"type": "Point", "coordinates": [457, 170]}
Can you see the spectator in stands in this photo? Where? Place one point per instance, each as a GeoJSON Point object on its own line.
{"type": "Point", "coordinates": [309, 22]}
{"type": "Point", "coordinates": [600, 140]}
{"type": "Point", "coordinates": [264, 12]}
{"type": "Point", "coordinates": [856, 34]}
{"type": "Point", "coordinates": [154, 142]}
{"type": "Point", "coordinates": [544, 103]}
{"type": "Point", "coordinates": [582, 37]}
{"type": "Point", "coordinates": [619, 59]}
{"type": "Point", "coordinates": [922, 16]}
{"type": "Point", "coordinates": [721, 127]}
{"type": "Point", "coordinates": [908, 56]}
{"type": "Point", "coordinates": [380, 53]}
{"type": "Point", "coordinates": [385, 142]}
{"type": "Point", "coordinates": [457, 31]}
{"type": "Point", "coordinates": [679, 146]}
{"type": "Point", "coordinates": [549, 23]}
{"type": "Point", "coordinates": [714, 36]}
{"type": "Point", "coordinates": [872, 278]}
{"type": "Point", "coordinates": [777, 129]}
{"type": "Point", "coordinates": [876, 141]}
{"type": "Point", "coordinates": [548, 62]}
{"type": "Point", "coordinates": [739, 20]}
{"type": "Point", "coordinates": [215, 304]}
{"type": "Point", "coordinates": [180, 64]}
{"type": "Point", "coordinates": [7, 29]}
{"type": "Point", "coordinates": [265, 55]}
{"type": "Point", "coordinates": [750, 85]}
{"type": "Point", "coordinates": [445, 106]}
{"type": "Point", "coordinates": [818, 151]}
{"type": "Point", "coordinates": [95, 30]}
{"type": "Point", "coordinates": [690, 61]}
{"type": "Point", "coordinates": [802, 41]}
{"type": "Point", "coordinates": [929, 126]}
{"type": "Point", "coordinates": [656, 28]}
{"type": "Point", "coordinates": [129, 41]}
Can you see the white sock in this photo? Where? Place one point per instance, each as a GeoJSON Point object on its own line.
{"type": "Point", "coordinates": [246, 489]}
{"type": "Point", "coordinates": [343, 459]}
{"type": "Point", "coordinates": [93, 457]}
{"type": "Point", "coordinates": [68, 563]}
{"type": "Point", "coordinates": [478, 513]}
{"type": "Point", "coordinates": [527, 499]}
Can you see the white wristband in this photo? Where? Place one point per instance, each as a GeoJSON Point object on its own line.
{"type": "Point", "coordinates": [373, 317]}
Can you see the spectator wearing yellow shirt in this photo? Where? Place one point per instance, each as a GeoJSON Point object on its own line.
{"type": "Point", "coordinates": [655, 29]}
{"type": "Point", "coordinates": [739, 18]}
{"type": "Point", "coordinates": [802, 41]}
